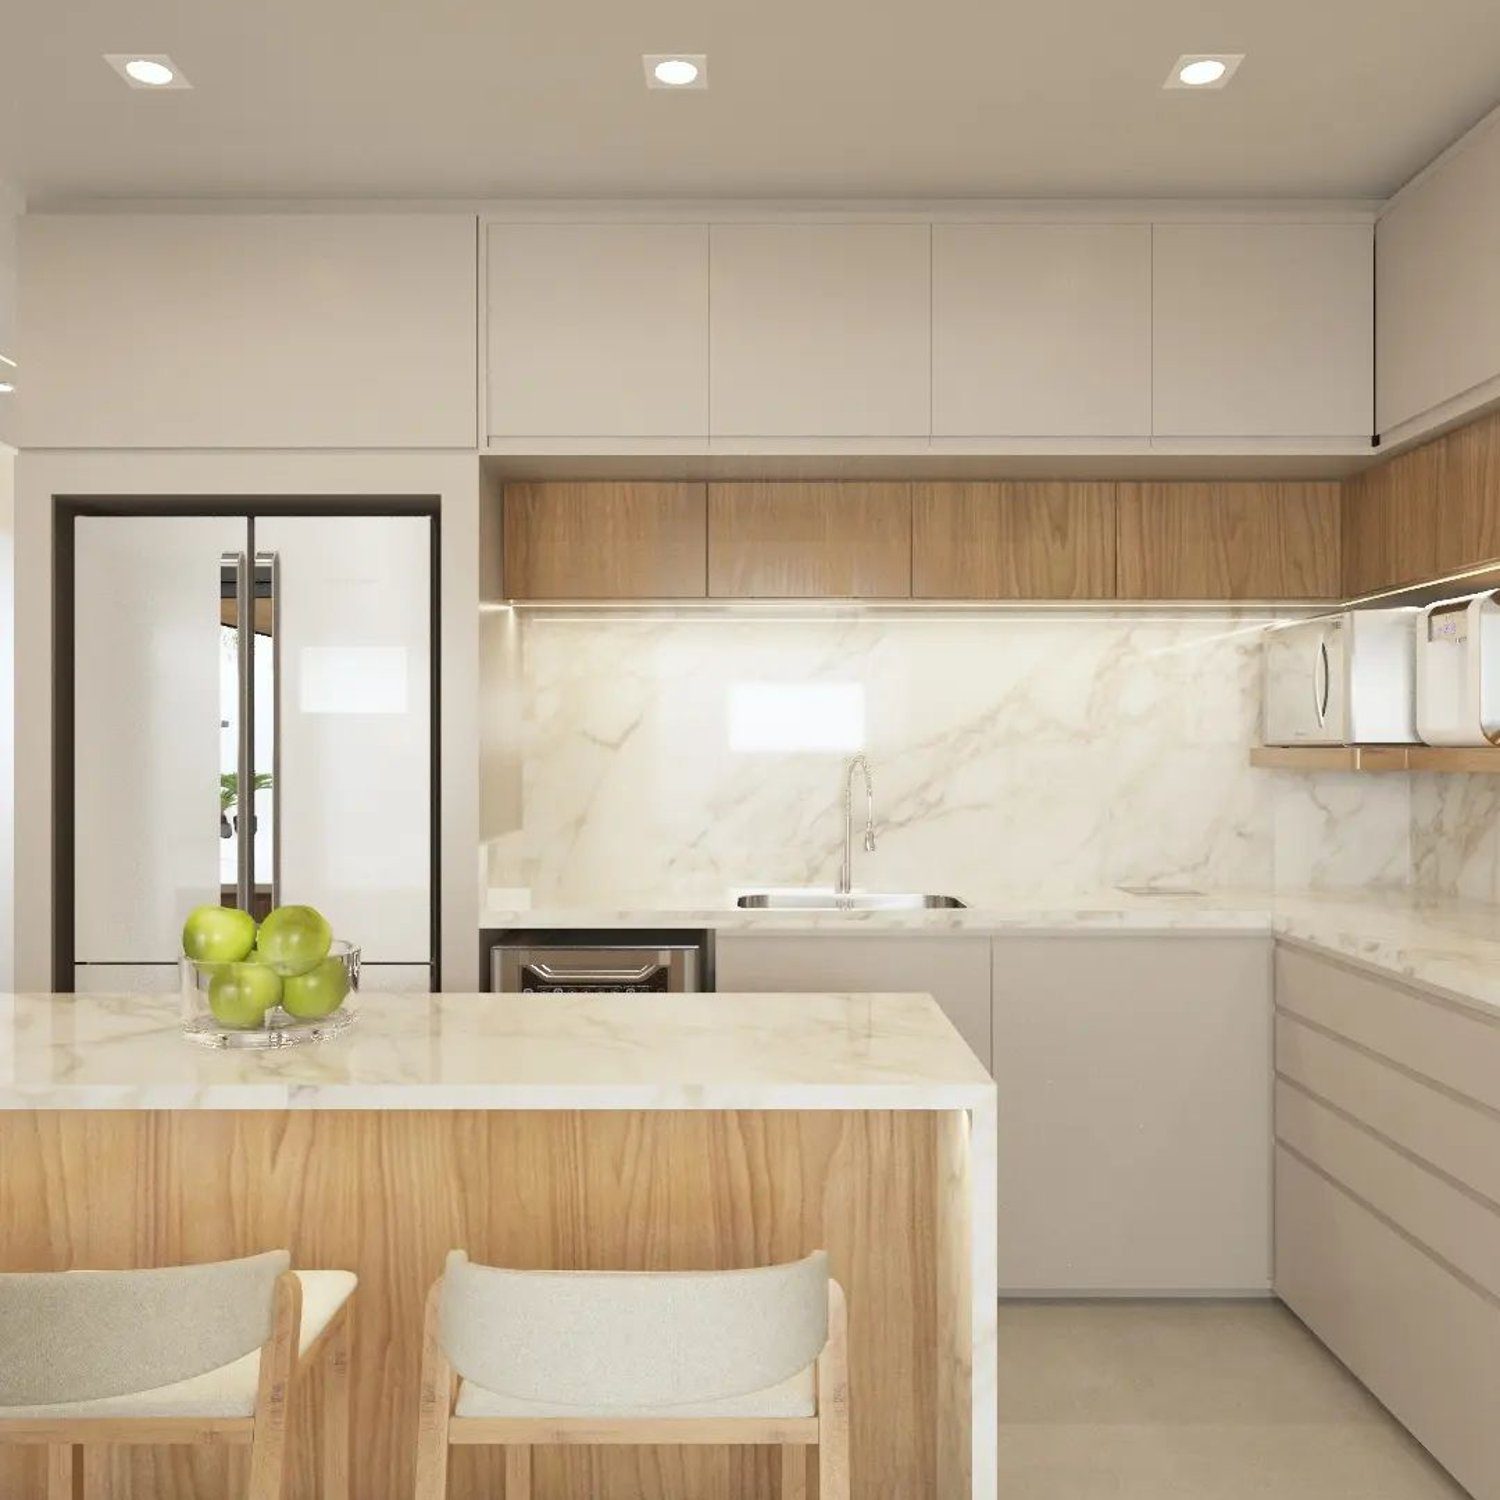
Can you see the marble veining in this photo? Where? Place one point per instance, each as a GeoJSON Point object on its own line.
{"type": "Point", "coordinates": [1013, 752]}
{"type": "Point", "coordinates": [817, 1051]}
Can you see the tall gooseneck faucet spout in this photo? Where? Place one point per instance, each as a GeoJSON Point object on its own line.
{"type": "Point", "coordinates": [856, 763]}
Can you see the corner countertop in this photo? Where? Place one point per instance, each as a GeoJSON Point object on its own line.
{"type": "Point", "coordinates": [1442, 944]}
{"type": "Point", "coordinates": [504, 1052]}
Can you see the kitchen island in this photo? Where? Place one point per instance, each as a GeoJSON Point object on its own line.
{"type": "Point", "coordinates": [642, 1132]}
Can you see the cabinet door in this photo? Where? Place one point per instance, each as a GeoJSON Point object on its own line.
{"type": "Point", "coordinates": [1041, 330]}
{"type": "Point", "coordinates": [1438, 311]}
{"type": "Point", "coordinates": [820, 330]}
{"type": "Point", "coordinates": [1398, 520]}
{"type": "Point", "coordinates": [955, 971]}
{"type": "Point", "coordinates": [249, 331]}
{"type": "Point", "coordinates": [1263, 330]}
{"type": "Point", "coordinates": [605, 541]}
{"type": "Point", "coordinates": [1135, 1089]}
{"type": "Point", "coordinates": [597, 330]}
{"type": "Point", "coordinates": [1229, 541]}
{"type": "Point", "coordinates": [809, 541]}
{"type": "Point", "coordinates": [1013, 541]}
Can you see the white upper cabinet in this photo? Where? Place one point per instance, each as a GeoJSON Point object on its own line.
{"type": "Point", "coordinates": [1041, 330]}
{"type": "Point", "coordinates": [820, 330]}
{"type": "Point", "coordinates": [1263, 330]}
{"type": "Point", "coordinates": [1438, 317]}
{"type": "Point", "coordinates": [597, 330]}
{"type": "Point", "coordinates": [248, 331]}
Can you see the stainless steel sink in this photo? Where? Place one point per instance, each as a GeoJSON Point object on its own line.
{"type": "Point", "coordinates": [858, 901]}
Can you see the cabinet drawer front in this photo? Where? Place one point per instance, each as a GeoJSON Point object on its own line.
{"type": "Point", "coordinates": [602, 540]}
{"type": "Point", "coordinates": [809, 541]}
{"type": "Point", "coordinates": [1455, 1047]}
{"type": "Point", "coordinates": [1461, 1230]}
{"type": "Point", "coordinates": [1456, 1137]}
{"type": "Point", "coordinates": [1426, 1344]}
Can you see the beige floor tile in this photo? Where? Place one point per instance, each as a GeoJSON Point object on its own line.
{"type": "Point", "coordinates": [1192, 1401]}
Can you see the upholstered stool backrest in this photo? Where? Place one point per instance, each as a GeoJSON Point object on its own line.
{"type": "Point", "coordinates": [633, 1338]}
{"type": "Point", "coordinates": [79, 1335]}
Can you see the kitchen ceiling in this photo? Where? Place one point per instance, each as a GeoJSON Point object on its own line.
{"type": "Point", "coordinates": [845, 98]}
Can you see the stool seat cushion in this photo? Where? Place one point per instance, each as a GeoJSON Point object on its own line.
{"type": "Point", "coordinates": [228, 1391]}
{"type": "Point", "coordinates": [796, 1397]}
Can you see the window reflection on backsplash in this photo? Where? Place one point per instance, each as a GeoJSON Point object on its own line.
{"type": "Point", "coordinates": [654, 760]}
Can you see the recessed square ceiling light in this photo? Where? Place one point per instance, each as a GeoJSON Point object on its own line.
{"type": "Point", "coordinates": [675, 70]}
{"type": "Point", "coordinates": [1203, 70]}
{"type": "Point", "coordinates": [147, 70]}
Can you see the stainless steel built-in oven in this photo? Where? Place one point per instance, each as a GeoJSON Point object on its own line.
{"type": "Point", "coordinates": [622, 968]}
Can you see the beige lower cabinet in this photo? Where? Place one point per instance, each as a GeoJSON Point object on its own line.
{"type": "Point", "coordinates": [1388, 1196]}
{"type": "Point", "coordinates": [1135, 1113]}
{"type": "Point", "coordinates": [955, 971]}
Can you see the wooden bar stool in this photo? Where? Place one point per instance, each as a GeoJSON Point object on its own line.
{"type": "Point", "coordinates": [188, 1354]}
{"type": "Point", "coordinates": [524, 1359]}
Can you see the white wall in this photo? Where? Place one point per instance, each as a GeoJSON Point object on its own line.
{"type": "Point", "coordinates": [10, 213]}
{"type": "Point", "coordinates": [453, 478]}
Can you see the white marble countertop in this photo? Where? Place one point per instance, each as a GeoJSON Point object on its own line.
{"type": "Point", "coordinates": [503, 1052]}
{"type": "Point", "coordinates": [1449, 945]}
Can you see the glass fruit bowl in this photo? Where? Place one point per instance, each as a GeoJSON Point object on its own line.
{"type": "Point", "coordinates": [255, 1003]}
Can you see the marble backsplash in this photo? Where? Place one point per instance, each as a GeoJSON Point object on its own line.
{"type": "Point", "coordinates": [652, 760]}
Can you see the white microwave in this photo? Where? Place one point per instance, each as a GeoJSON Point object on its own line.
{"type": "Point", "coordinates": [1342, 679]}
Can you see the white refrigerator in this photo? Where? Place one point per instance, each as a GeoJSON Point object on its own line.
{"type": "Point", "coordinates": [252, 725]}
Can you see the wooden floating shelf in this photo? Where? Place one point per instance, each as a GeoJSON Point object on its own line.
{"type": "Point", "coordinates": [1455, 759]}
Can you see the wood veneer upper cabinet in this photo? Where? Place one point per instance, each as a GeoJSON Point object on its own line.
{"type": "Point", "coordinates": [1391, 521]}
{"type": "Point", "coordinates": [1013, 541]}
{"type": "Point", "coordinates": [1229, 541]}
{"type": "Point", "coordinates": [1469, 495]}
{"type": "Point", "coordinates": [605, 541]}
{"type": "Point", "coordinates": [809, 541]}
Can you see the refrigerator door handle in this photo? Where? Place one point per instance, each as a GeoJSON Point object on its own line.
{"type": "Point", "coordinates": [244, 770]}
{"type": "Point", "coordinates": [268, 567]}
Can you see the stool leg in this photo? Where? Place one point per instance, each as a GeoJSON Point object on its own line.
{"type": "Point", "coordinates": [793, 1472]}
{"type": "Point", "coordinates": [434, 1405]}
{"type": "Point", "coordinates": [518, 1473]}
{"type": "Point", "coordinates": [64, 1471]}
{"type": "Point", "coordinates": [336, 1412]}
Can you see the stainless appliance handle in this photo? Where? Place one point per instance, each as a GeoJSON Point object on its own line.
{"type": "Point", "coordinates": [244, 770]}
{"type": "Point", "coordinates": [1322, 683]}
{"type": "Point", "coordinates": [545, 972]}
{"type": "Point", "coordinates": [271, 562]}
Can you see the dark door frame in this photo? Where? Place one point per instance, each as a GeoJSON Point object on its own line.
{"type": "Point", "coordinates": [65, 512]}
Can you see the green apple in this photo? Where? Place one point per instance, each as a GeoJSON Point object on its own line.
{"type": "Point", "coordinates": [218, 934]}
{"type": "Point", "coordinates": [239, 995]}
{"type": "Point", "coordinates": [294, 939]}
{"type": "Point", "coordinates": [317, 993]}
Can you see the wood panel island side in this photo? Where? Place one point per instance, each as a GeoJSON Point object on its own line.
{"type": "Point", "coordinates": [567, 1132]}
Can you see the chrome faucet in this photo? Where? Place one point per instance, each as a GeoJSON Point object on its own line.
{"type": "Point", "coordinates": [855, 763]}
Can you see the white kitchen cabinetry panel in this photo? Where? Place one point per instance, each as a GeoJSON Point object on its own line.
{"type": "Point", "coordinates": [126, 979]}
{"type": "Point", "coordinates": [820, 330]}
{"type": "Point", "coordinates": [597, 330]}
{"type": "Point", "coordinates": [1263, 331]}
{"type": "Point", "coordinates": [248, 331]}
{"type": "Point", "coordinates": [1426, 1343]}
{"type": "Point", "coordinates": [1438, 312]}
{"type": "Point", "coordinates": [1135, 1098]}
{"type": "Point", "coordinates": [955, 971]}
{"type": "Point", "coordinates": [1041, 330]}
